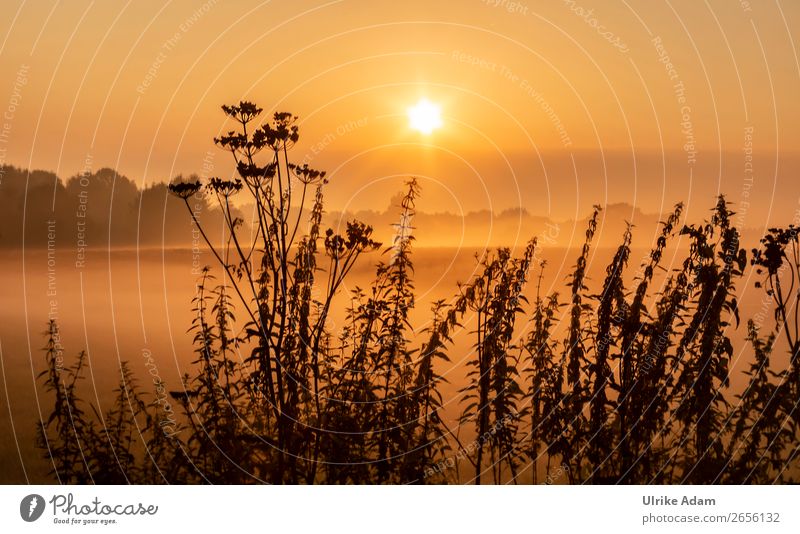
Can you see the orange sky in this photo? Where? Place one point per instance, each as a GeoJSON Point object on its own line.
{"type": "Point", "coordinates": [551, 105]}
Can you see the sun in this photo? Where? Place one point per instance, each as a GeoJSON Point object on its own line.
{"type": "Point", "coordinates": [425, 117]}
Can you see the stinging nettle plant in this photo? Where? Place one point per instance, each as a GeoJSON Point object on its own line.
{"type": "Point", "coordinates": [628, 383]}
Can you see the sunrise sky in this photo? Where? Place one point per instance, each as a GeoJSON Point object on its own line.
{"type": "Point", "coordinates": [552, 106]}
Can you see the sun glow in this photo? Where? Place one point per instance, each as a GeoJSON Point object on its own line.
{"type": "Point", "coordinates": [425, 117]}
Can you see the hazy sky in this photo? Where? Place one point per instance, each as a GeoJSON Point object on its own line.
{"type": "Point", "coordinates": [551, 105]}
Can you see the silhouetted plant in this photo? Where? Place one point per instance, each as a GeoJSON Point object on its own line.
{"type": "Point", "coordinates": [544, 373]}
{"type": "Point", "coordinates": [763, 434]}
{"type": "Point", "coordinates": [67, 432]}
{"type": "Point", "coordinates": [493, 391]}
{"type": "Point", "coordinates": [633, 389]}
{"type": "Point", "coordinates": [571, 440]}
{"type": "Point", "coordinates": [778, 259]}
{"type": "Point", "coordinates": [704, 351]}
{"type": "Point", "coordinates": [636, 363]}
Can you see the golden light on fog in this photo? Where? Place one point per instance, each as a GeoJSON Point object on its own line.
{"type": "Point", "coordinates": [425, 117]}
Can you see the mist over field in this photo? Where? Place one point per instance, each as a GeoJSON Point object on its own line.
{"type": "Point", "coordinates": [364, 242]}
{"type": "Point", "coordinates": [131, 301]}
{"type": "Point", "coordinates": [105, 209]}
